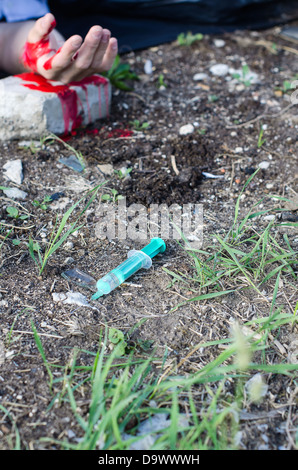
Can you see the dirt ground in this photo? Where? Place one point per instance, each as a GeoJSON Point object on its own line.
{"type": "Point", "coordinates": [165, 167]}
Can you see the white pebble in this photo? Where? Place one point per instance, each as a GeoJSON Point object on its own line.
{"type": "Point", "coordinates": [264, 165]}
{"type": "Point", "coordinates": [187, 129]}
{"type": "Point", "coordinates": [58, 296]}
{"type": "Point", "coordinates": [219, 43]}
{"type": "Point", "coordinates": [200, 76]}
{"type": "Point", "coordinates": [15, 193]}
{"type": "Point", "coordinates": [219, 70]}
{"type": "Point", "coordinates": [71, 298]}
{"type": "Point", "coordinates": [148, 67]}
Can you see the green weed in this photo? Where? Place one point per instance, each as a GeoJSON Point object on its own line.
{"type": "Point", "coordinates": [17, 444]}
{"type": "Point", "coordinates": [138, 126]}
{"type": "Point", "coordinates": [123, 394]}
{"type": "Point", "coordinates": [243, 77]}
{"type": "Point", "coordinates": [188, 39]}
{"type": "Point", "coordinates": [123, 173]}
{"type": "Point", "coordinates": [119, 74]}
{"type": "Point", "coordinates": [15, 214]}
{"type": "Point", "coordinates": [113, 196]}
{"type": "Point", "coordinates": [261, 141]}
{"type": "Point", "coordinates": [59, 236]}
{"type": "Point", "coordinates": [44, 204]}
{"type": "Point", "coordinates": [51, 138]}
{"type": "Point", "coordinates": [161, 81]}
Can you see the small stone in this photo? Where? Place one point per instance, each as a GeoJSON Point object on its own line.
{"type": "Point", "coordinates": [219, 42]}
{"type": "Point", "coordinates": [68, 245]}
{"type": "Point", "coordinates": [28, 143]}
{"type": "Point", "coordinates": [68, 260]}
{"type": "Point", "coordinates": [187, 129]}
{"type": "Point", "coordinates": [75, 298]}
{"type": "Point", "coordinates": [200, 76]}
{"type": "Point", "coordinates": [15, 193]}
{"type": "Point", "coordinates": [106, 169]}
{"type": "Point", "coordinates": [60, 204]}
{"type": "Point", "coordinates": [264, 165]}
{"type": "Point", "coordinates": [71, 434]}
{"type": "Point", "coordinates": [58, 296]}
{"type": "Point", "coordinates": [148, 67]}
{"type": "Point", "coordinates": [219, 70]}
{"type": "Point", "coordinates": [14, 171]}
{"type": "Point", "coordinates": [72, 162]}
{"type": "Point", "coordinates": [240, 87]}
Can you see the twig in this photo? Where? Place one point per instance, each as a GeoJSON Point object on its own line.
{"type": "Point", "coordinates": [132, 93]}
{"type": "Point", "coordinates": [261, 116]}
{"type": "Point", "coordinates": [16, 202]}
{"type": "Point", "coordinates": [289, 49]}
{"type": "Point", "coordinates": [268, 45]}
{"type": "Point", "coordinates": [232, 174]}
{"type": "Point", "coordinates": [173, 162]}
{"type": "Point", "coordinates": [40, 334]}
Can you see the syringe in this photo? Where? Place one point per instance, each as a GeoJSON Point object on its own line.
{"type": "Point", "coordinates": [136, 259]}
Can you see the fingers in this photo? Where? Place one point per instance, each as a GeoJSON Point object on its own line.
{"type": "Point", "coordinates": [108, 58]}
{"type": "Point", "coordinates": [98, 51]}
{"type": "Point", "coordinates": [93, 49]}
{"type": "Point", "coordinates": [95, 55]}
{"type": "Point", "coordinates": [64, 57]}
{"type": "Point", "coordinates": [76, 58]}
{"type": "Point", "coordinates": [42, 28]}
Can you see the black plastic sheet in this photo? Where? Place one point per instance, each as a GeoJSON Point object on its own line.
{"type": "Point", "coordinates": [139, 24]}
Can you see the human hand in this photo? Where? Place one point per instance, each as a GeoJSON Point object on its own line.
{"type": "Point", "coordinates": [48, 54]}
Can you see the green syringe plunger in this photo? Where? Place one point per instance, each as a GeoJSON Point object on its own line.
{"type": "Point", "coordinates": [136, 259]}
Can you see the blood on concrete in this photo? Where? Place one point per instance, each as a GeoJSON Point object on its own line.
{"type": "Point", "coordinates": [68, 96]}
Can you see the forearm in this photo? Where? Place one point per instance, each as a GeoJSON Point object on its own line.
{"type": "Point", "coordinates": [12, 40]}
{"type": "Point", "coordinates": [13, 37]}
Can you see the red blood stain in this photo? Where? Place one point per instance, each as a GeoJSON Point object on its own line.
{"type": "Point", "coordinates": [48, 63]}
{"type": "Point", "coordinates": [68, 95]}
{"type": "Point", "coordinates": [117, 133]}
{"type": "Point", "coordinates": [52, 26]}
{"type": "Point", "coordinates": [34, 50]}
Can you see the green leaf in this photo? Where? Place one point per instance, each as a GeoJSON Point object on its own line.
{"type": "Point", "coordinates": [115, 335]}
{"type": "Point", "coordinates": [105, 197]}
{"type": "Point", "coordinates": [12, 212]}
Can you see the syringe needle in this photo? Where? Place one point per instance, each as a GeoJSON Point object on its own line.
{"type": "Point", "coordinates": [136, 260]}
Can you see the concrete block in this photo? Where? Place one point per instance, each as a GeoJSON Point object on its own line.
{"type": "Point", "coordinates": [31, 107]}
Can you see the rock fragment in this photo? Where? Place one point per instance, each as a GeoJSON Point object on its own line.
{"type": "Point", "coordinates": [13, 171]}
